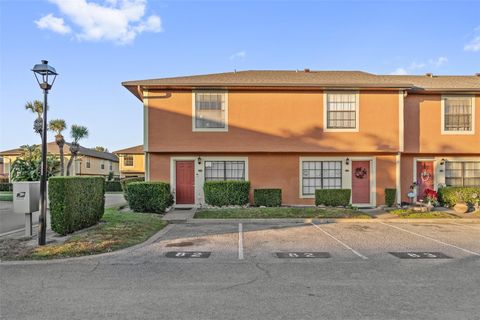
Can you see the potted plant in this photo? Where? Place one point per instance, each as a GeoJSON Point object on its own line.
{"type": "Point", "coordinates": [461, 206]}
{"type": "Point", "coordinates": [431, 198]}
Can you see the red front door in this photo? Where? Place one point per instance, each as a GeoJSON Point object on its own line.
{"type": "Point", "coordinates": [185, 182]}
{"type": "Point", "coordinates": [424, 177]}
{"type": "Point", "coordinates": [360, 181]}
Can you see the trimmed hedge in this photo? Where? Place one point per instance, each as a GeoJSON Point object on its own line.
{"type": "Point", "coordinates": [390, 195]}
{"type": "Point", "coordinates": [226, 193]}
{"type": "Point", "coordinates": [450, 196]}
{"type": "Point", "coordinates": [125, 181]}
{"type": "Point", "coordinates": [267, 197]}
{"type": "Point", "coordinates": [149, 196]}
{"type": "Point", "coordinates": [5, 186]}
{"type": "Point", "coordinates": [113, 186]}
{"type": "Point", "coordinates": [333, 197]}
{"type": "Point", "coordinates": [75, 202]}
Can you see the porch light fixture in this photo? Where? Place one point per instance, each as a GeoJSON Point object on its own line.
{"type": "Point", "coordinates": [45, 76]}
{"type": "Point", "coordinates": [442, 162]}
{"type": "Point", "coordinates": [347, 161]}
{"type": "Point", "coordinates": [199, 160]}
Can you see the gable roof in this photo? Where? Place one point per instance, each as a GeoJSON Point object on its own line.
{"type": "Point", "coordinates": [307, 78]}
{"type": "Point", "coordinates": [132, 150]}
{"type": "Point", "coordinates": [53, 149]}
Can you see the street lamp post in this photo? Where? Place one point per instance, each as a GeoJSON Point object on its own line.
{"type": "Point", "coordinates": [45, 76]}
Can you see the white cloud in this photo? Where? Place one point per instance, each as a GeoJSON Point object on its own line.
{"type": "Point", "coordinates": [415, 66]}
{"type": "Point", "coordinates": [438, 62]}
{"type": "Point", "coordinates": [474, 44]}
{"type": "Point", "coordinates": [118, 21]}
{"type": "Point", "coordinates": [399, 72]}
{"type": "Point", "coordinates": [53, 23]}
{"type": "Point", "coordinates": [238, 55]}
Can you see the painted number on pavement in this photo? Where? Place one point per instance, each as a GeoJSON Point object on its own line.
{"type": "Point", "coordinates": [188, 254]}
{"type": "Point", "coordinates": [300, 255]}
{"type": "Point", "coordinates": [420, 255]}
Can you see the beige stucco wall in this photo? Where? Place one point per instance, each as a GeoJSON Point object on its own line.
{"type": "Point", "coordinates": [138, 167]}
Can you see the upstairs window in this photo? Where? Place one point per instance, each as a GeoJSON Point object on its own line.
{"type": "Point", "coordinates": [462, 174]}
{"type": "Point", "coordinates": [341, 110]}
{"type": "Point", "coordinates": [458, 114]}
{"type": "Point", "coordinates": [224, 170]}
{"type": "Point", "coordinates": [102, 166]}
{"type": "Point", "coordinates": [87, 164]}
{"type": "Point", "coordinates": [128, 161]}
{"type": "Point", "coordinates": [210, 111]}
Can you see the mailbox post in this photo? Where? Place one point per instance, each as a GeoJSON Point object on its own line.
{"type": "Point", "coordinates": [26, 197]}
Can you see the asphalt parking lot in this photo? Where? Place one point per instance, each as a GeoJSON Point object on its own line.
{"type": "Point", "coordinates": [336, 241]}
{"type": "Point", "coordinates": [262, 271]}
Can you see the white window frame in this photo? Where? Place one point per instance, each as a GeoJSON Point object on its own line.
{"type": "Point", "coordinates": [357, 112]}
{"type": "Point", "coordinates": [447, 132]}
{"type": "Point", "coordinates": [194, 112]}
{"type": "Point", "coordinates": [300, 173]}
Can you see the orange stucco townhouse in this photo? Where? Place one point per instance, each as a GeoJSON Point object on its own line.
{"type": "Point", "coordinates": [304, 130]}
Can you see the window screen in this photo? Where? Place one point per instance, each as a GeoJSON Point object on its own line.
{"type": "Point", "coordinates": [341, 110]}
{"type": "Point", "coordinates": [128, 161]}
{"type": "Point", "coordinates": [321, 175]}
{"type": "Point", "coordinates": [224, 170]}
{"type": "Point", "coordinates": [462, 174]}
{"type": "Point", "coordinates": [458, 114]}
{"type": "Point", "coordinates": [209, 110]}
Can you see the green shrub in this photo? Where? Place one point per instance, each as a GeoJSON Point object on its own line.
{"type": "Point", "coordinates": [5, 186]}
{"type": "Point", "coordinates": [113, 186]}
{"type": "Point", "coordinates": [449, 196]}
{"type": "Point", "coordinates": [149, 196]}
{"type": "Point", "coordinates": [267, 197]}
{"type": "Point", "coordinates": [75, 202]}
{"type": "Point", "coordinates": [226, 193]}
{"type": "Point", "coordinates": [333, 197]}
{"type": "Point", "coordinates": [390, 195]}
{"type": "Point", "coordinates": [125, 181]}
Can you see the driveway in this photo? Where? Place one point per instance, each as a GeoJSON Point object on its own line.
{"type": "Point", "coordinates": [10, 221]}
{"type": "Point", "coordinates": [328, 271]}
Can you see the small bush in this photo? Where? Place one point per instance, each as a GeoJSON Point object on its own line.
{"type": "Point", "coordinates": [267, 197]}
{"type": "Point", "coordinates": [226, 193]}
{"type": "Point", "coordinates": [333, 197]}
{"type": "Point", "coordinates": [113, 186]}
{"type": "Point", "coordinates": [5, 186]}
{"type": "Point", "coordinates": [125, 181]}
{"type": "Point", "coordinates": [149, 196]}
{"type": "Point", "coordinates": [449, 196]}
{"type": "Point", "coordinates": [390, 195]}
{"type": "Point", "coordinates": [75, 202]}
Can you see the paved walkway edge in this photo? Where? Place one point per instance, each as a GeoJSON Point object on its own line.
{"type": "Point", "coordinates": [324, 221]}
{"type": "Point", "coordinates": [149, 241]}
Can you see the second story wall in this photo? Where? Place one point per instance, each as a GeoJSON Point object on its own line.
{"type": "Point", "coordinates": [423, 126]}
{"type": "Point", "coordinates": [280, 121]}
{"type": "Point", "coordinates": [131, 163]}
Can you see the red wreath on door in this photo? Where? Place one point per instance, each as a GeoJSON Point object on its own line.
{"type": "Point", "coordinates": [360, 172]}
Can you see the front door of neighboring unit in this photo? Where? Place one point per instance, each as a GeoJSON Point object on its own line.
{"type": "Point", "coordinates": [424, 178]}
{"type": "Point", "coordinates": [185, 182]}
{"type": "Point", "coordinates": [361, 182]}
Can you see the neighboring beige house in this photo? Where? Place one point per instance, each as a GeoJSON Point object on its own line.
{"type": "Point", "coordinates": [132, 162]}
{"type": "Point", "coordinates": [2, 173]}
{"type": "Point", "coordinates": [88, 162]}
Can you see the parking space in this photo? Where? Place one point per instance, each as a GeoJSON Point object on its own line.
{"type": "Point", "coordinates": [317, 243]}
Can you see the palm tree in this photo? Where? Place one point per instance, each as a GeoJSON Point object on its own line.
{"type": "Point", "coordinates": [36, 106]}
{"type": "Point", "coordinates": [57, 126]}
{"type": "Point", "coordinates": [77, 133]}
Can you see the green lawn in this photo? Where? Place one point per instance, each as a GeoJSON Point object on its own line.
{"type": "Point", "coordinates": [6, 196]}
{"type": "Point", "coordinates": [281, 212]}
{"type": "Point", "coordinates": [410, 214]}
{"type": "Point", "coordinates": [117, 230]}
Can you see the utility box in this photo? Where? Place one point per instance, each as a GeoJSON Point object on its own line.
{"type": "Point", "coordinates": [26, 196]}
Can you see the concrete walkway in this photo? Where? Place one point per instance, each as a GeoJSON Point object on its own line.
{"type": "Point", "coordinates": [180, 215]}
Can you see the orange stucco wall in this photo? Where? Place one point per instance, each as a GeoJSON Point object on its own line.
{"type": "Point", "coordinates": [280, 171]}
{"type": "Point", "coordinates": [285, 121]}
{"type": "Point", "coordinates": [423, 128]}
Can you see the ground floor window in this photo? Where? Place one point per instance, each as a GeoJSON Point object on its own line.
{"type": "Point", "coordinates": [224, 170]}
{"type": "Point", "coordinates": [462, 173]}
{"type": "Point", "coordinates": [321, 175]}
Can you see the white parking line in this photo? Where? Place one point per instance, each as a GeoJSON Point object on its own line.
{"type": "Point", "coordinates": [240, 241]}
{"type": "Point", "coordinates": [341, 242]}
{"type": "Point", "coordinates": [433, 239]}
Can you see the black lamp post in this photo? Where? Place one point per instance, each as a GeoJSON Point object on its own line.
{"type": "Point", "coordinates": [45, 76]}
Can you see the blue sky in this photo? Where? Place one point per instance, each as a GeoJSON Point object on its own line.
{"type": "Point", "coordinates": [95, 45]}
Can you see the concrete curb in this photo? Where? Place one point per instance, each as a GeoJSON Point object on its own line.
{"type": "Point", "coordinates": [149, 241]}
{"type": "Point", "coordinates": [325, 221]}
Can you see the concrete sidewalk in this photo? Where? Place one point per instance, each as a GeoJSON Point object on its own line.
{"type": "Point", "coordinates": [178, 215]}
